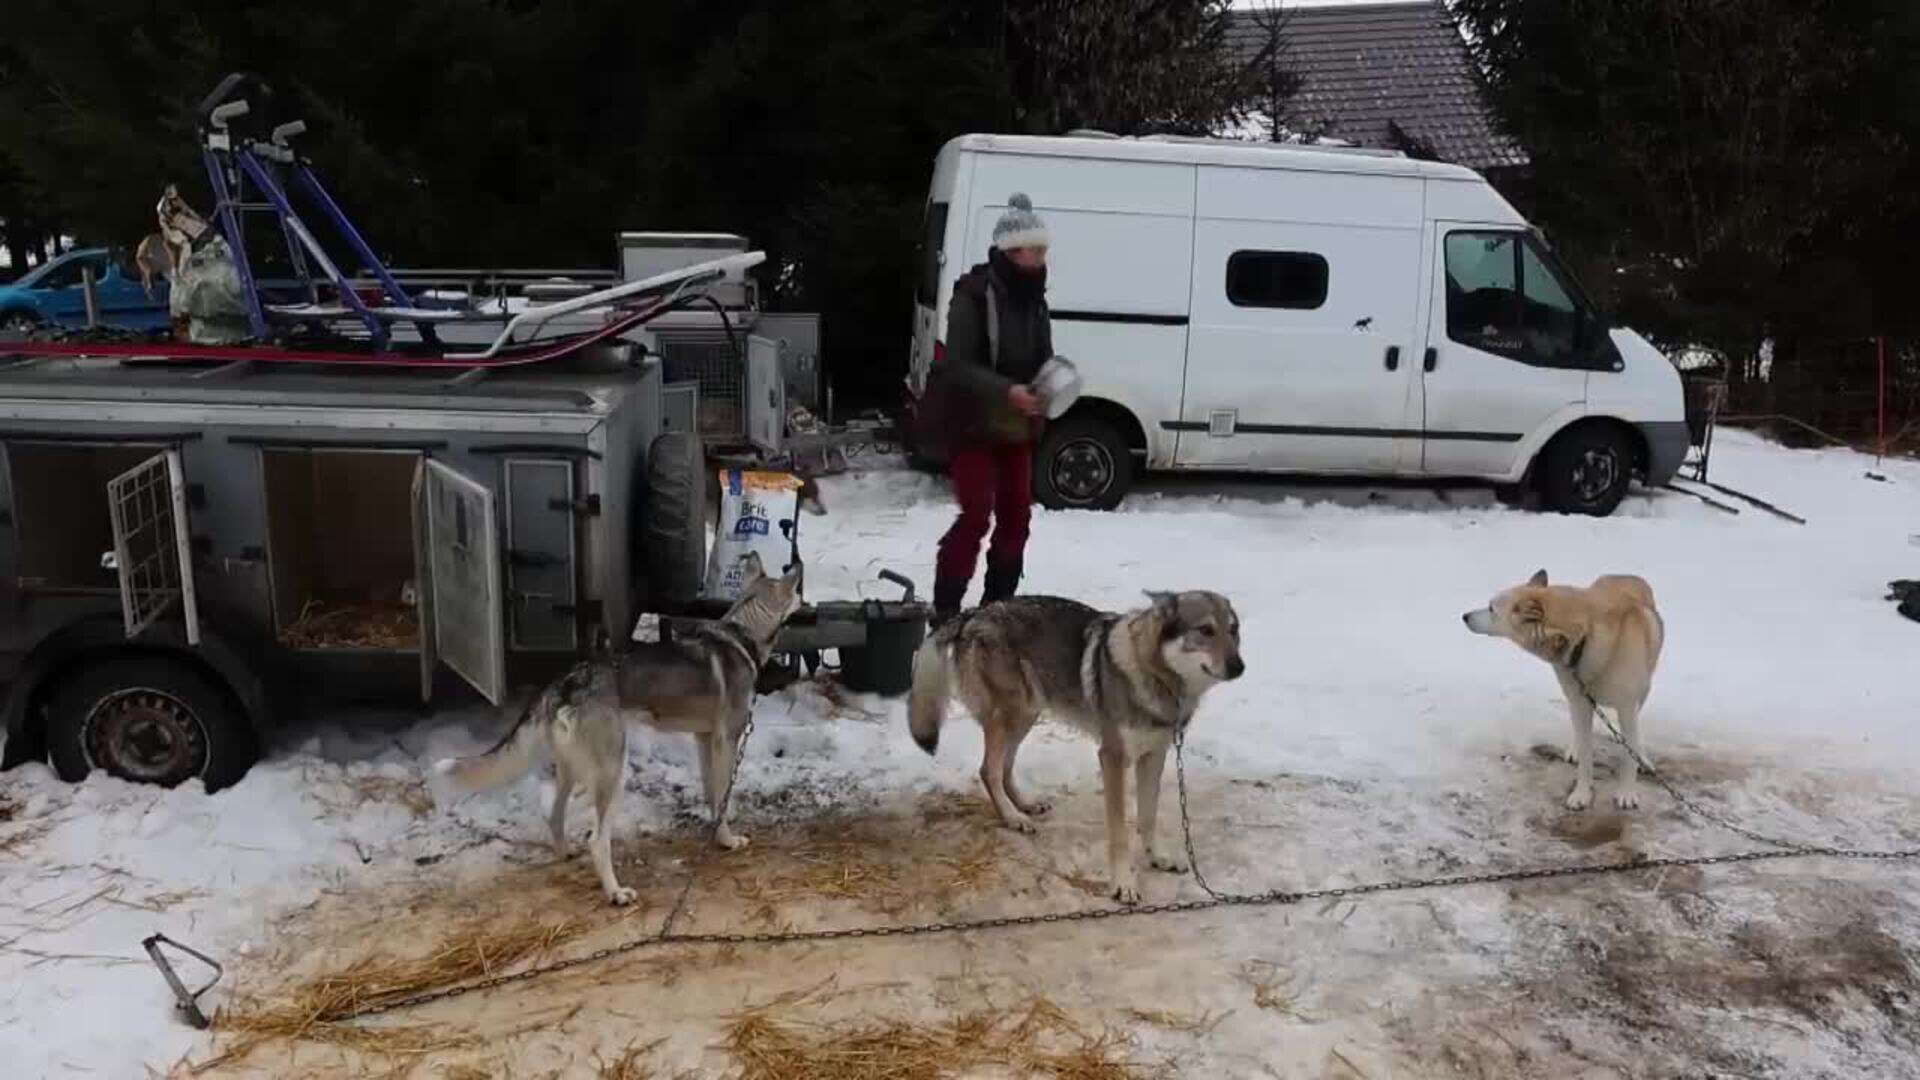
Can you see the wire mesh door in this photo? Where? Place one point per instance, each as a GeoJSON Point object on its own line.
{"type": "Point", "coordinates": [148, 504]}
{"type": "Point", "coordinates": [716, 364]}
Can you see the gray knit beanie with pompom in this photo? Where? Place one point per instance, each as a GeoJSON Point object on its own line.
{"type": "Point", "coordinates": [1020, 227]}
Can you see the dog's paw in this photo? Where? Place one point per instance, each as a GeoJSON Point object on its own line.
{"type": "Point", "coordinates": [562, 850]}
{"type": "Point", "coordinates": [1627, 799]}
{"type": "Point", "coordinates": [1168, 864]}
{"type": "Point", "coordinates": [622, 896]}
{"type": "Point", "coordinates": [1580, 798]}
{"type": "Point", "coordinates": [730, 840]}
{"type": "Point", "coordinates": [1021, 824]}
{"type": "Point", "coordinates": [1128, 894]}
{"type": "Point", "coordinates": [1037, 808]}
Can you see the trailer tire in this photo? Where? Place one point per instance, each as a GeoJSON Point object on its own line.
{"type": "Point", "coordinates": [148, 719]}
{"type": "Point", "coordinates": [673, 534]}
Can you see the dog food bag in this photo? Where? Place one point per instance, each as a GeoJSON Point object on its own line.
{"type": "Point", "coordinates": [759, 513]}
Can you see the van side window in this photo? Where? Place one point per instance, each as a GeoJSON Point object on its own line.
{"type": "Point", "coordinates": [933, 240]}
{"type": "Point", "coordinates": [1296, 280]}
{"type": "Point", "coordinates": [1504, 298]}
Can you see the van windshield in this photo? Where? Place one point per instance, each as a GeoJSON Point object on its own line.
{"type": "Point", "coordinates": [933, 240]}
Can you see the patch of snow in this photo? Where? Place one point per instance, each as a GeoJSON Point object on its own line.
{"type": "Point", "coordinates": [1383, 738]}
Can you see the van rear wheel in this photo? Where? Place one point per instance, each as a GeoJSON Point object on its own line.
{"type": "Point", "coordinates": [1586, 470]}
{"type": "Point", "coordinates": [1083, 464]}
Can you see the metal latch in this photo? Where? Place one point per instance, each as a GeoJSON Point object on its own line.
{"type": "Point", "coordinates": [587, 507]}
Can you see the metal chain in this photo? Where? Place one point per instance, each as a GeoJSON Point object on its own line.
{"type": "Point", "coordinates": [726, 802]}
{"type": "Point", "coordinates": [1694, 807]}
{"type": "Point", "coordinates": [1215, 899]}
{"type": "Point", "coordinates": [1186, 819]}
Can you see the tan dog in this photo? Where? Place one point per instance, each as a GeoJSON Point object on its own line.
{"type": "Point", "coordinates": [154, 258]}
{"type": "Point", "coordinates": [1603, 642]}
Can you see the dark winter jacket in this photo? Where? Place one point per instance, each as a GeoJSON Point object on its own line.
{"type": "Point", "coordinates": [973, 378]}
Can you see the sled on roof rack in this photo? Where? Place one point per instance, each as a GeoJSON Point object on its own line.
{"type": "Point", "coordinates": [253, 171]}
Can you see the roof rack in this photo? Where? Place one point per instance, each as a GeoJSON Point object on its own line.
{"type": "Point", "coordinates": [1288, 147]}
{"type": "Point", "coordinates": [1243, 144]}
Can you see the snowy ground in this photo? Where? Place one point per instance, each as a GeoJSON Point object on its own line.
{"type": "Point", "coordinates": [1372, 738]}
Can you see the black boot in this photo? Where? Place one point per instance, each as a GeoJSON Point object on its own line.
{"type": "Point", "coordinates": [947, 594]}
{"type": "Point", "coordinates": [1002, 579]}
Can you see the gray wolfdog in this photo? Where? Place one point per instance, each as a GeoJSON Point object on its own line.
{"type": "Point", "coordinates": [700, 683]}
{"type": "Point", "coordinates": [1132, 681]}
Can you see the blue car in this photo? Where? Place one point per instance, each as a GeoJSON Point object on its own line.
{"type": "Point", "coordinates": [51, 295]}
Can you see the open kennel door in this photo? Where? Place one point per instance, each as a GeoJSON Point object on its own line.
{"type": "Point", "coordinates": [151, 551]}
{"type": "Point", "coordinates": [457, 540]}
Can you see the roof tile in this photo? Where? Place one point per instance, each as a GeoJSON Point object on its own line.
{"type": "Point", "coordinates": [1369, 69]}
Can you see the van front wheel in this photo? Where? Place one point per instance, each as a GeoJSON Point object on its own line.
{"type": "Point", "coordinates": [1083, 464]}
{"type": "Point", "coordinates": [1586, 470]}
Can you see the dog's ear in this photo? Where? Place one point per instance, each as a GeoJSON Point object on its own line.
{"type": "Point", "coordinates": [1538, 579]}
{"type": "Point", "coordinates": [1529, 610]}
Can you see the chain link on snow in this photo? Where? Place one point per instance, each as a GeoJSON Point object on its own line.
{"type": "Point", "coordinates": [1777, 849]}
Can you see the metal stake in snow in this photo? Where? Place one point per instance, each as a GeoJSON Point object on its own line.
{"type": "Point", "coordinates": [188, 1001]}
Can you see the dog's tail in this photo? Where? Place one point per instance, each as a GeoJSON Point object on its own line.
{"type": "Point", "coordinates": [508, 760]}
{"type": "Point", "coordinates": [932, 686]}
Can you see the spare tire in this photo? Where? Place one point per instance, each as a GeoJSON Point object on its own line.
{"type": "Point", "coordinates": [673, 527]}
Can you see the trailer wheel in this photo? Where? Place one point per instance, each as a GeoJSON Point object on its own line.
{"type": "Point", "coordinates": [1083, 464]}
{"type": "Point", "coordinates": [674, 532]}
{"type": "Point", "coordinates": [149, 720]}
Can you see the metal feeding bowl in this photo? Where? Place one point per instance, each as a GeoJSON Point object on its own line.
{"type": "Point", "coordinates": [1058, 384]}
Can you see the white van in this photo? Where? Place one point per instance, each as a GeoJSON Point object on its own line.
{"type": "Point", "coordinates": [1285, 309]}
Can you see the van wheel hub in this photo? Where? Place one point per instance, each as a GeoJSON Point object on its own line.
{"type": "Point", "coordinates": [1595, 473]}
{"type": "Point", "coordinates": [1081, 470]}
{"type": "Point", "coordinates": [145, 735]}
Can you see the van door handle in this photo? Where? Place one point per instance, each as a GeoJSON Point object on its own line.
{"type": "Point", "coordinates": [1433, 357]}
{"type": "Point", "coordinates": [1393, 358]}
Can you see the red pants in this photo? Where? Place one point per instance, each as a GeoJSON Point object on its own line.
{"type": "Point", "coordinates": [991, 483]}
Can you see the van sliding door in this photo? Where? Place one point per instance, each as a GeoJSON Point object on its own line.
{"type": "Point", "coordinates": [151, 549]}
{"type": "Point", "coordinates": [459, 584]}
{"type": "Point", "coordinates": [1303, 349]}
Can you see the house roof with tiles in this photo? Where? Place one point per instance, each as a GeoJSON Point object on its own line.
{"type": "Point", "coordinates": [1395, 75]}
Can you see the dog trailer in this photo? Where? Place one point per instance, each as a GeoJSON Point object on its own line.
{"type": "Point", "coordinates": [189, 553]}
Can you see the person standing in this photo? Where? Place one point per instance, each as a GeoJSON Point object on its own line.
{"type": "Point", "coordinates": [999, 333]}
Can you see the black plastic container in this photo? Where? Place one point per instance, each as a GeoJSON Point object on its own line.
{"type": "Point", "coordinates": [895, 631]}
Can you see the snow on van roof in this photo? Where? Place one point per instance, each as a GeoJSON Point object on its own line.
{"type": "Point", "coordinates": [1189, 150]}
